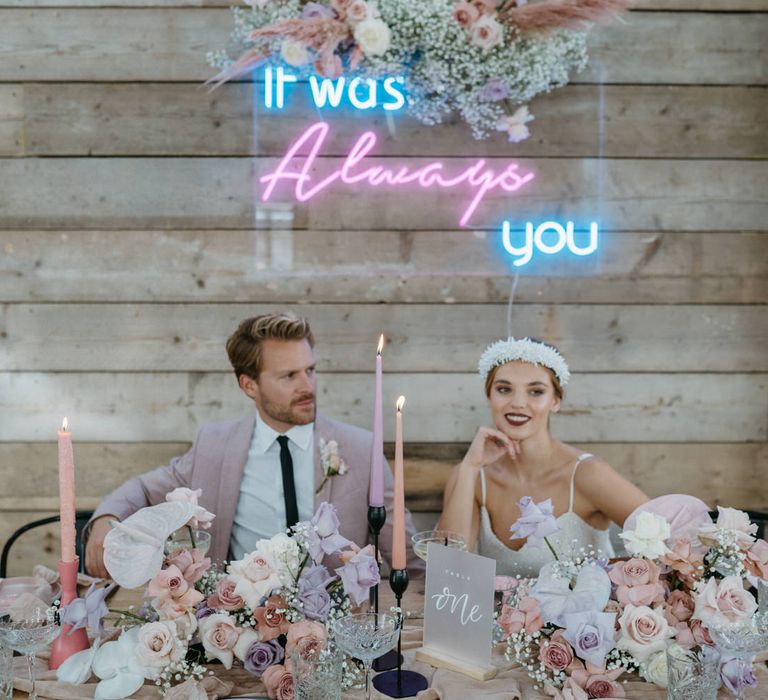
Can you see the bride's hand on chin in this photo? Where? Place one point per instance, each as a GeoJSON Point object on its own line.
{"type": "Point", "coordinates": [488, 446]}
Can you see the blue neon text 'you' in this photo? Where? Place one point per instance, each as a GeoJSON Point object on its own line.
{"type": "Point", "coordinates": [549, 238]}
{"type": "Point", "coordinates": [360, 93]}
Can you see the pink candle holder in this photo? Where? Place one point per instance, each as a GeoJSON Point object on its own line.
{"type": "Point", "coordinates": [67, 644]}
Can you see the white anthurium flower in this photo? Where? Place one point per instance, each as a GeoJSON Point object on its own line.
{"type": "Point", "coordinates": [77, 668]}
{"type": "Point", "coordinates": [118, 667]}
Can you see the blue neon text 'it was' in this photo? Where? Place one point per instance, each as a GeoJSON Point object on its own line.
{"type": "Point", "coordinates": [557, 238]}
{"type": "Point", "coordinates": [361, 93]}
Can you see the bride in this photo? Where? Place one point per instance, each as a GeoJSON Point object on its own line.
{"type": "Point", "coordinates": [518, 457]}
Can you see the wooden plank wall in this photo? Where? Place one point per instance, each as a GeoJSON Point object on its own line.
{"type": "Point", "coordinates": [130, 246]}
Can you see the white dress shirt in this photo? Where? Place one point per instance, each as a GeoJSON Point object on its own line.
{"type": "Point", "coordinates": [260, 512]}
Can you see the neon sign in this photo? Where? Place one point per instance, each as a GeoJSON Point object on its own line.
{"type": "Point", "coordinates": [355, 170]}
{"type": "Point", "coordinates": [535, 239]}
{"type": "Point", "coordinates": [362, 94]}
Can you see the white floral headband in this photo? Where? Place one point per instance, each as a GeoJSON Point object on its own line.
{"type": "Point", "coordinates": [526, 350]}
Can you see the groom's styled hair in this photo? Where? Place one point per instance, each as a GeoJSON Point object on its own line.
{"type": "Point", "coordinates": [244, 346]}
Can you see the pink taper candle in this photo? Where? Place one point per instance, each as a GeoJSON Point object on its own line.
{"type": "Point", "coordinates": [376, 491]}
{"type": "Point", "coordinates": [66, 494]}
{"type": "Point", "coordinates": [398, 506]}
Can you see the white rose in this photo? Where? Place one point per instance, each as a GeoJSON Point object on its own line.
{"type": "Point", "coordinates": [294, 53]}
{"type": "Point", "coordinates": [649, 536]}
{"type": "Point", "coordinates": [255, 577]}
{"type": "Point", "coordinates": [723, 603]}
{"type": "Point", "coordinates": [285, 556]}
{"type": "Point", "coordinates": [643, 631]}
{"type": "Point", "coordinates": [158, 646]}
{"type": "Point", "coordinates": [736, 522]}
{"type": "Point", "coordinates": [654, 669]}
{"type": "Point", "coordinates": [219, 634]}
{"type": "Point", "coordinates": [372, 36]}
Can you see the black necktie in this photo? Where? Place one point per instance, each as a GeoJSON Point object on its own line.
{"type": "Point", "coordinates": [289, 488]}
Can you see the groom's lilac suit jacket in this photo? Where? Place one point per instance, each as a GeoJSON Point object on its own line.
{"type": "Point", "coordinates": [215, 464]}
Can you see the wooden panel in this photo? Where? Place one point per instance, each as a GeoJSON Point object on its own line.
{"type": "Point", "coordinates": [216, 192]}
{"type": "Point", "coordinates": [168, 406]}
{"type": "Point", "coordinates": [175, 337]}
{"type": "Point", "coordinates": [119, 119]}
{"type": "Point", "coordinates": [170, 45]}
{"type": "Point", "coordinates": [375, 266]}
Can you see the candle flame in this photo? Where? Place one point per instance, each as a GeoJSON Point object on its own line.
{"type": "Point", "coordinates": [381, 344]}
{"type": "Point", "coordinates": [64, 425]}
{"type": "Point", "coordinates": [400, 404]}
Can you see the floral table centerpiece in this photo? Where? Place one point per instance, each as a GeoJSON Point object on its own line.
{"type": "Point", "coordinates": [484, 59]}
{"type": "Point", "coordinates": [585, 621]}
{"type": "Point", "coordinates": [255, 611]}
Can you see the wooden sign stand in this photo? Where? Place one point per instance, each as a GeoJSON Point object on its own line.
{"type": "Point", "coordinates": [440, 660]}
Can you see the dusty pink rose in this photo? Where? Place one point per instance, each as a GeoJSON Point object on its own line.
{"type": "Point", "coordinates": [270, 621]}
{"type": "Point", "coordinates": [170, 585]}
{"type": "Point", "coordinates": [597, 682]}
{"type": "Point", "coordinates": [306, 633]}
{"type": "Point", "coordinates": [485, 7]}
{"type": "Point", "coordinates": [723, 602]}
{"type": "Point", "coordinates": [679, 607]}
{"type": "Point", "coordinates": [686, 559]}
{"type": "Point", "coordinates": [701, 633]}
{"type": "Point", "coordinates": [466, 14]}
{"type": "Point", "coordinates": [278, 682]}
{"type": "Point", "coordinates": [225, 597]}
{"type": "Point", "coordinates": [219, 634]}
{"type": "Point", "coordinates": [487, 33]}
{"type": "Point", "coordinates": [637, 582]}
{"type": "Point", "coordinates": [643, 631]}
{"type": "Point", "coordinates": [191, 564]}
{"type": "Point", "coordinates": [556, 654]}
{"type": "Point", "coordinates": [356, 12]}
{"type": "Point", "coordinates": [757, 559]}
{"type": "Point", "coordinates": [527, 615]}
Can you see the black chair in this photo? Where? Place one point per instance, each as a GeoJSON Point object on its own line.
{"type": "Point", "coordinates": [81, 519]}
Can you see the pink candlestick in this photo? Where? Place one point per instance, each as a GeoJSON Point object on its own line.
{"type": "Point", "coordinates": [398, 506]}
{"type": "Point", "coordinates": [376, 491]}
{"type": "Point", "coordinates": [68, 642]}
{"type": "Point", "coordinates": [66, 495]}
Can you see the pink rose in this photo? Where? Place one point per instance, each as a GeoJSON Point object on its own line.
{"type": "Point", "coordinates": [556, 654]}
{"type": "Point", "coordinates": [685, 559]}
{"type": "Point", "coordinates": [637, 581]}
{"type": "Point", "coordinates": [225, 597]}
{"type": "Point", "coordinates": [270, 621]}
{"type": "Point", "coordinates": [158, 646]}
{"type": "Point", "coordinates": [169, 584]}
{"type": "Point", "coordinates": [683, 635]}
{"type": "Point", "coordinates": [487, 33]}
{"type": "Point", "coordinates": [485, 7]}
{"type": "Point", "coordinates": [527, 615]}
{"type": "Point", "coordinates": [643, 631]}
{"type": "Point", "coordinates": [357, 12]}
{"type": "Point", "coordinates": [219, 634]}
{"type": "Point", "coordinates": [701, 633]}
{"type": "Point", "coordinates": [465, 14]}
{"type": "Point", "coordinates": [278, 682]}
{"type": "Point", "coordinates": [306, 634]}
{"type": "Point", "coordinates": [757, 559]}
{"type": "Point", "coordinates": [256, 577]}
{"type": "Point", "coordinates": [723, 602]}
{"type": "Point", "coordinates": [605, 686]}
{"type": "Point", "coordinates": [191, 564]}
{"type": "Point", "coordinates": [679, 607]}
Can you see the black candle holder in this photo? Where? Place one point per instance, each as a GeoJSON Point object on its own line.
{"type": "Point", "coordinates": [377, 516]}
{"type": "Point", "coordinates": [398, 683]}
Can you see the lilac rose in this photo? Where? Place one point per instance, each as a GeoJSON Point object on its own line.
{"type": "Point", "coordinates": [317, 576]}
{"type": "Point", "coordinates": [591, 634]}
{"type": "Point", "coordinates": [314, 10]}
{"type": "Point", "coordinates": [324, 537]}
{"type": "Point", "coordinates": [736, 675]}
{"type": "Point", "coordinates": [494, 90]}
{"type": "Point", "coordinates": [314, 602]}
{"type": "Point", "coordinates": [261, 655]}
{"type": "Point", "coordinates": [536, 521]}
{"type": "Point", "coordinates": [359, 574]}
{"type": "Point", "coordinates": [204, 611]}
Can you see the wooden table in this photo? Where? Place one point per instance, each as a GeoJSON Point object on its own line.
{"type": "Point", "coordinates": [510, 673]}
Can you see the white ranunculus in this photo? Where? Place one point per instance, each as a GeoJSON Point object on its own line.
{"type": "Point", "coordinates": [373, 37]}
{"type": "Point", "coordinates": [654, 669]}
{"type": "Point", "coordinates": [294, 53]}
{"type": "Point", "coordinates": [649, 536]}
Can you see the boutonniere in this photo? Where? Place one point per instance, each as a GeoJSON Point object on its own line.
{"type": "Point", "coordinates": [332, 463]}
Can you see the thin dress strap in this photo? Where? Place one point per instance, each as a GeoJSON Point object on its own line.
{"type": "Point", "coordinates": [482, 483]}
{"type": "Point", "coordinates": [582, 457]}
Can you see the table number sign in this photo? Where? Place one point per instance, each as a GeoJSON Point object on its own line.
{"type": "Point", "coordinates": [458, 612]}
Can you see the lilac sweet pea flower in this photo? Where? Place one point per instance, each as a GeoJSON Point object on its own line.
{"type": "Point", "coordinates": [324, 537]}
{"type": "Point", "coordinates": [494, 90]}
{"type": "Point", "coordinates": [261, 655]}
{"type": "Point", "coordinates": [88, 611]}
{"type": "Point", "coordinates": [736, 675]}
{"type": "Point", "coordinates": [314, 10]}
{"type": "Point", "coordinates": [359, 574]}
{"type": "Point", "coordinates": [591, 634]}
{"type": "Point", "coordinates": [536, 521]}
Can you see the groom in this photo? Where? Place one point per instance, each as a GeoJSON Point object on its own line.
{"type": "Point", "coordinates": [260, 474]}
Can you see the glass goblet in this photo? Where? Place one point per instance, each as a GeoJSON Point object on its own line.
{"type": "Point", "coordinates": [743, 640]}
{"type": "Point", "coordinates": [422, 540]}
{"type": "Point", "coordinates": [29, 636]}
{"type": "Point", "coordinates": [366, 636]}
{"type": "Point", "coordinates": [189, 539]}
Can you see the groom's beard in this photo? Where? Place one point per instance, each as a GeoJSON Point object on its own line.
{"type": "Point", "coordinates": [299, 412]}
